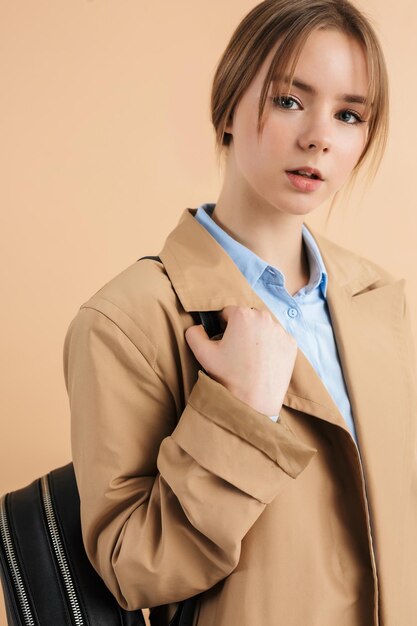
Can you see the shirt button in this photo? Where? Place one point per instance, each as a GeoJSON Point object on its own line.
{"type": "Point", "coordinates": [292, 312]}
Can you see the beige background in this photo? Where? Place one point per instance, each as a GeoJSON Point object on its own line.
{"type": "Point", "coordinates": [105, 139]}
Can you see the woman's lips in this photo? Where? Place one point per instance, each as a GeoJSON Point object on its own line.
{"type": "Point", "coordinates": [303, 183]}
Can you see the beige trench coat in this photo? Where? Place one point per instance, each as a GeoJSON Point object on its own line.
{"type": "Point", "coordinates": [185, 488]}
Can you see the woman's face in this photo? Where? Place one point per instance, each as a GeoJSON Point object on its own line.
{"type": "Point", "coordinates": [318, 126]}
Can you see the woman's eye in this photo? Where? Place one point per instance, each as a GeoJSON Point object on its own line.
{"type": "Point", "coordinates": [350, 117]}
{"type": "Point", "coordinates": [285, 102]}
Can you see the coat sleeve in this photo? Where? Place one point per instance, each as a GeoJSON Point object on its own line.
{"type": "Point", "coordinates": [165, 502]}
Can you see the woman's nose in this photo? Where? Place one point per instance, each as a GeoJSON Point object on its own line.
{"type": "Point", "coordinates": [315, 138]}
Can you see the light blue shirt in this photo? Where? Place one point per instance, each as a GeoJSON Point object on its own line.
{"type": "Point", "coordinates": [304, 315]}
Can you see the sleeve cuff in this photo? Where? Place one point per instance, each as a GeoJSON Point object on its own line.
{"type": "Point", "coordinates": [234, 441]}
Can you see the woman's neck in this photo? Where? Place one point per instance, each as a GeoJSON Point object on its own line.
{"type": "Point", "coordinates": [276, 239]}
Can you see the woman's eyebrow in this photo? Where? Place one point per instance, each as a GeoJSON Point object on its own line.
{"type": "Point", "coordinates": [345, 97]}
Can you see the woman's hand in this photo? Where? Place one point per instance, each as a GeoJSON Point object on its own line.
{"type": "Point", "coordinates": [254, 359]}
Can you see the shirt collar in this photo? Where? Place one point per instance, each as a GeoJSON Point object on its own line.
{"type": "Point", "coordinates": [251, 265]}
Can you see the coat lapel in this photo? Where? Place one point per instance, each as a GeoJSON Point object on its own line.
{"type": "Point", "coordinates": [372, 345]}
{"type": "Point", "coordinates": [364, 305]}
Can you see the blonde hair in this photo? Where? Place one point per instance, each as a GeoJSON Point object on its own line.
{"type": "Point", "coordinates": [290, 22]}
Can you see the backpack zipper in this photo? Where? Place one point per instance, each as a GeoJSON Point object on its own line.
{"type": "Point", "coordinates": [59, 551]}
{"type": "Point", "coordinates": [13, 565]}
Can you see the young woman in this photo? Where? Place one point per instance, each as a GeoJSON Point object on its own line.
{"type": "Point", "coordinates": [273, 471]}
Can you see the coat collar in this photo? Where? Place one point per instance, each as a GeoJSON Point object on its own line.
{"type": "Point", "coordinates": [363, 299]}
